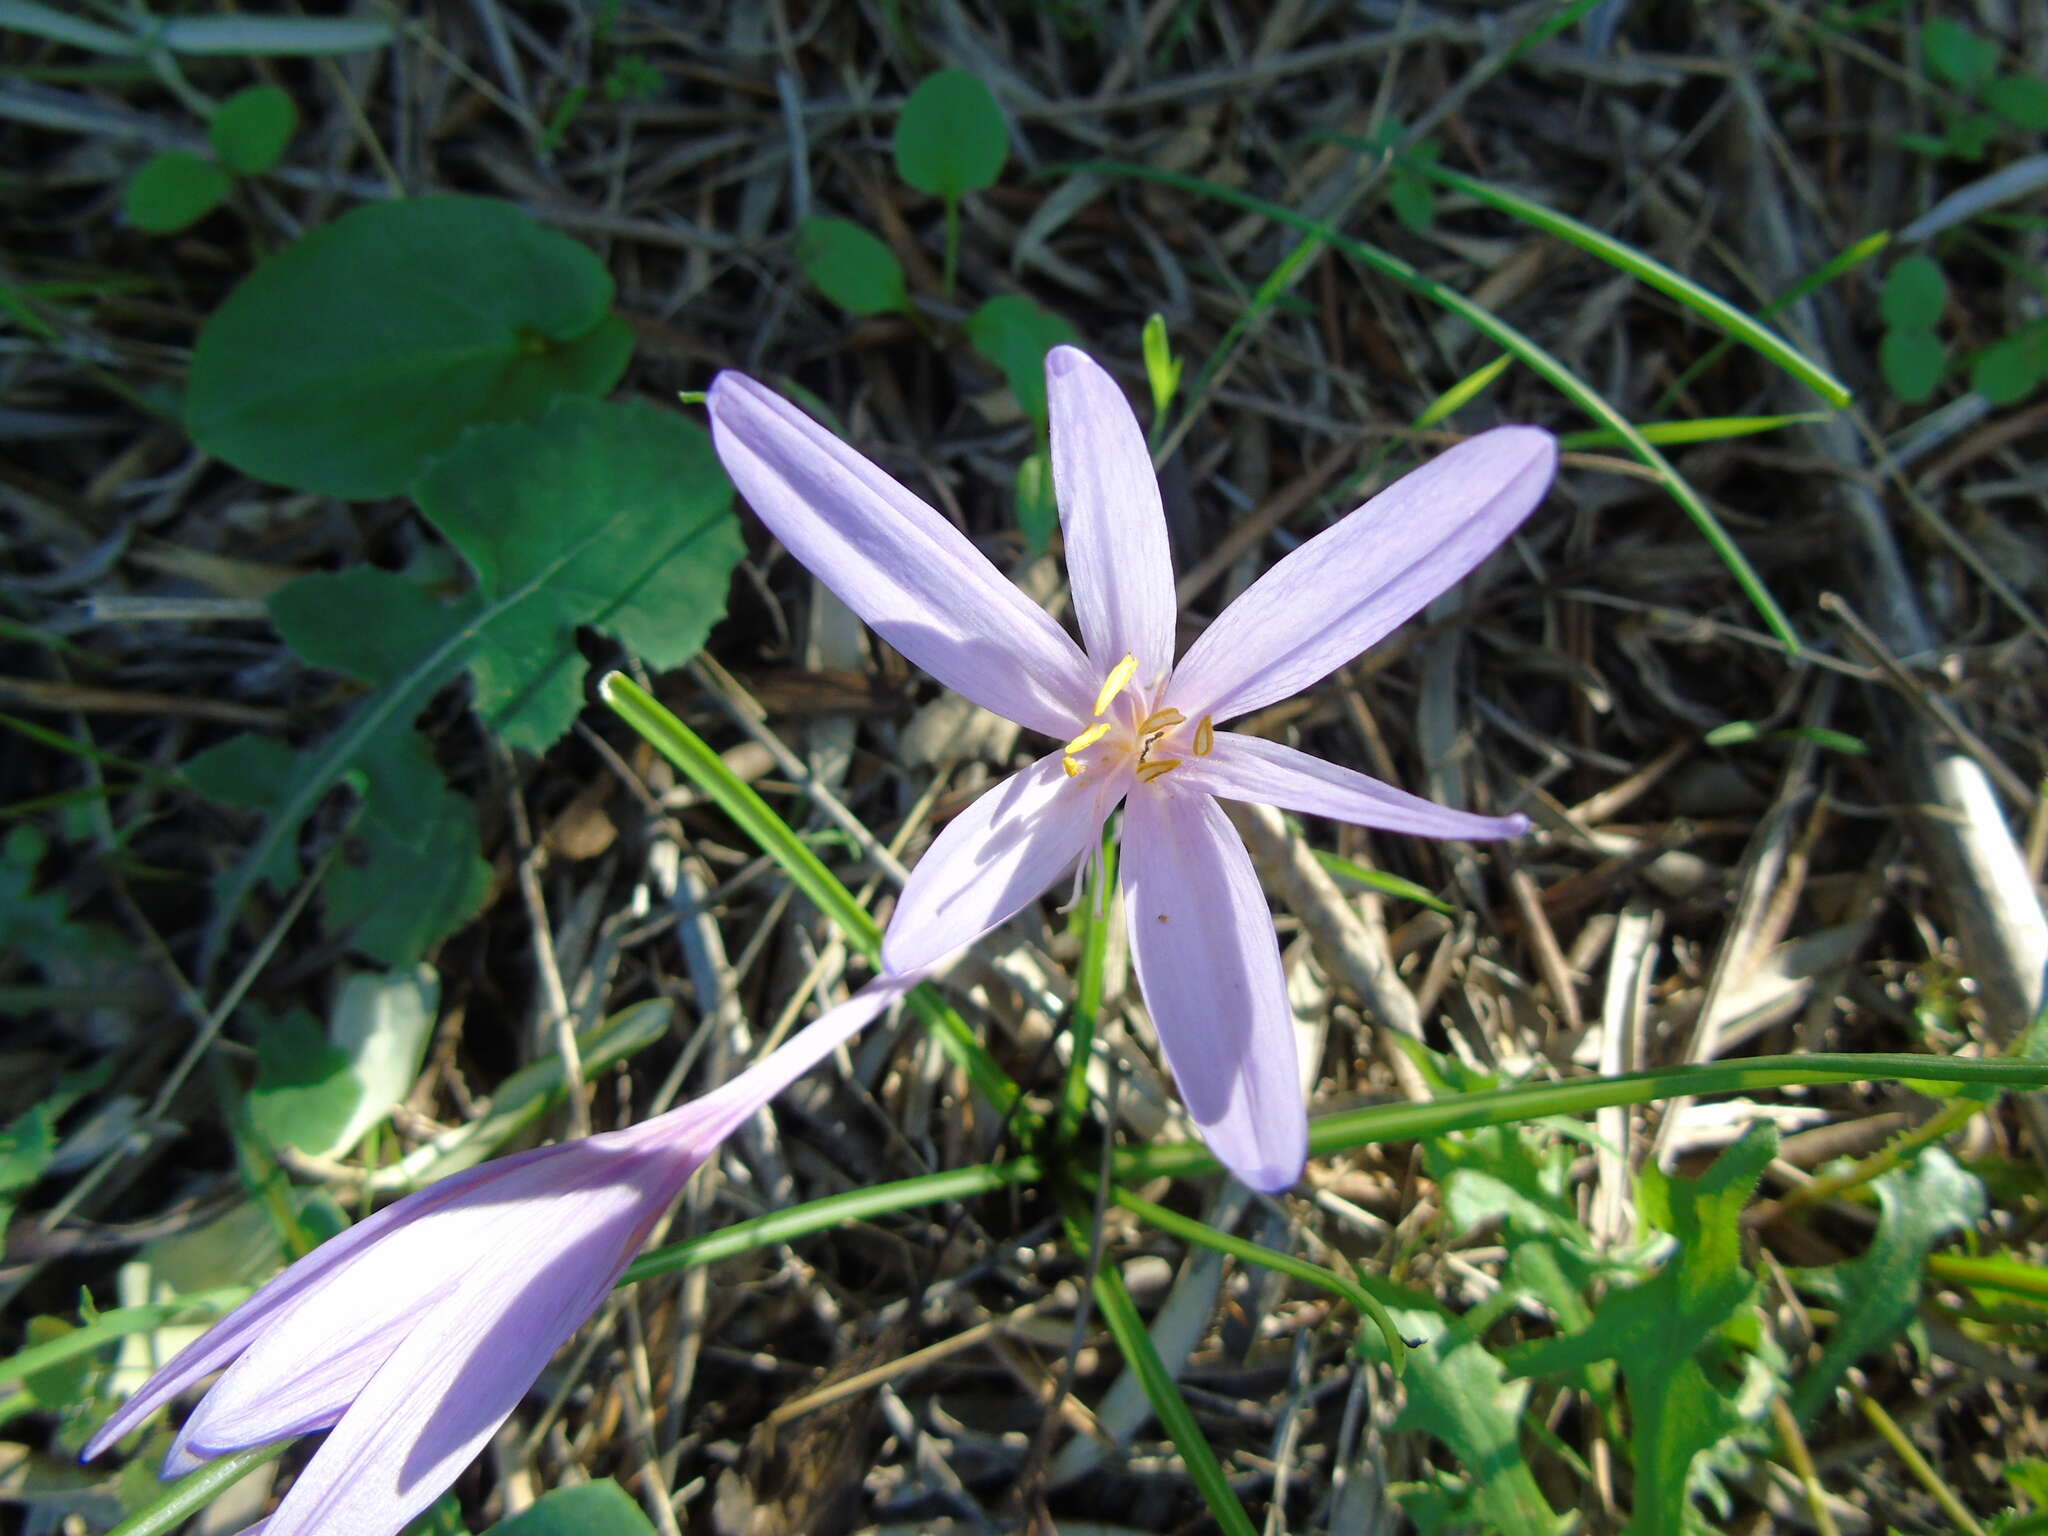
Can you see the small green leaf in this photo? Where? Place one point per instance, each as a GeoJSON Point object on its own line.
{"type": "Point", "coordinates": [1915, 293]}
{"type": "Point", "coordinates": [951, 138]}
{"type": "Point", "coordinates": [590, 1509]}
{"type": "Point", "coordinates": [174, 190]}
{"type": "Point", "coordinates": [1913, 361]}
{"type": "Point", "coordinates": [2006, 371]}
{"type": "Point", "coordinates": [1015, 334]}
{"type": "Point", "coordinates": [252, 129]}
{"type": "Point", "coordinates": [1956, 53]}
{"type": "Point", "coordinates": [346, 362]}
{"type": "Point", "coordinates": [250, 771]}
{"type": "Point", "coordinates": [851, 267]}
{"type": "Point", "coordinates": [1162, 368]}
{"type": "Point", "coordinates": [304, 1094]}
{"type": "Point", "coordinates": [2021, 100]}
{"type": "Point", "coordinates": [1038, 513]}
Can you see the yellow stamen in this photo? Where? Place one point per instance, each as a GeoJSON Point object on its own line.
{"type": "Point", "coordinates": [1157, 768]}
{"type": "Point", "coordinates": [1159, 721]}
{"type": "Point", "coordinates": [1119, 676]}
{"type": "Point", "coordinates": [1089, 737]}
{"type": "Point", "coordinates": [1072, 765]}
{"type": "Point", "coordinates": [1205, 736]}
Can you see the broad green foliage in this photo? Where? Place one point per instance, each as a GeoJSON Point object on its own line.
{"type": "Point", "coordinates": [252, 128]}
{"type": "Point", "coordinates": [601, 1508]}
{"type": "Point", "coordinates": [1965, 62]}
{"type": "Point", "coordinates": [851, 267]}
{"type": "Point", "coordinates": [1911, 354]}
{"type": "Point", "coordinates": [1038, 512]}
{"type": "Point", "coordinates": [1669, 1335]}
{"type": "Point", "coordinates": [1015, 334]}
{"type": "Point", "coordinates": [951, 138]}
{"type": "Point", "coordinates": [613, 517]}
{"type": "Point", "coordinates": [26, 1147]}
{"type": "Point", "coordinates": [320, 1091]}
{"type": "Point", "coordinates": [1878, 1294]}
{"type": "Point", "coordinates": [345, 363]}
{"type": "Point", "coordinates": [173, 191]}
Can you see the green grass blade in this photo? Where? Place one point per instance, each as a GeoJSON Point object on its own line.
{"type": "Point", "coordinates": [1190, 1230]}
{"type": "Point", "coordinates": [833, 1211]}
{"type": "Point", "coordinates": [1709, 306]}
{"type": "Point", "coordinates": [1379, 880]}
{"type": "Point", "coordinates": [1091, 921]}
{"type": "Point", "coordinates": [1462, 393]}
{"type": "Point", "coordinates": [1127, 1327]}
{"type": "Point", "coordinates": [1508, 339]}
{"type": "Point", "coordinates": [689, 752]}
{"type": "Point", "coordinates": [200, 1307]}
{"type": "Point", "coordinates": [195, 1490]}
{"type": "Point", "coordinates": [1534, 1101]}
{"type": "Point", "coordinates": [1705, 429]}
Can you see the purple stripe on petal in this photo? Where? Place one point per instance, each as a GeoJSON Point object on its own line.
{"type": "Point", "coordinates": [994, 857]}
{"type": "Point", "coordinates": [1117, 560]}
{"type": "Point", "coordinates": [1266, 773]}
{"type": "Point", "coordinates": [897, 563]}
{"type": "Point", "coordinates": [1209, 966]}
{"type": "Point", "coordinates": [1351, 584]}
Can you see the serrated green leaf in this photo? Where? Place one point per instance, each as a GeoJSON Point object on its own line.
{"type": "Point", "coordinates": [252, 128]}
{"type": "Point", "coordinates": [951, 138]}
{"type": "Point", "coordinates": [1957, 53]}
{"type": "Point", "coordinates": [1915, 293]}
{"type": "Point", "coordinates": [851, 267]}
{"type": "Point", "coordinates": [343, 364]}
{"type": "Point", "coordinates": [1015, 334]}
{"type": "Point", "coordinates": [601, 1508]}
{"type": "Point", "coordinates": [627, 508]}
{"type": "Point", "coordinates": [174, 190]}
{"type": "Point", "coordinates": [1918, 1207]}
{"type": "Point", "coordinates": [2021, 100]}
{"type": "Point", "coordinates": [410, 872]}
{"type": "Point", "coordinates": [303, 1093]}
{"type": "Point", "coordinates": [1665, 1334]}
{"type": "Point", "coordinates": [1913, 362]}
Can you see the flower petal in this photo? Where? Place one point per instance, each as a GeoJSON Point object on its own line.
{"type": "Point", "coordinates": [994, 857]}
{"type": "Point", "coordinates": [1115, 527]}
{"type": "Point", "coordinates": [897, 563]}
{"type": "Point", "coordinates": [1351, 584]}
{"type": "Point", "coordinates": [1243, 767]}
{"type": "Point", "coordinates": [1209, 966]}
{"type": "Point", "coordinates": [430, 1406]}
{"type": "Point", "coordinates": [327, 1264]}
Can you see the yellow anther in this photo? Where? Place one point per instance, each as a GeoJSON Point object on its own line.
{"type": "Point", "coordinates": [1157, 768]}
{"type": "Point", "coordinates": [1089, 737]}
{"type": "Point", "coordinates": [1072, 765]}
{"type": "Point", "coordinates": [1160, 720]}
{"type": "Point", "coordinates": [1119, 676]}
{"type": "Point", "coordinates": [1205, 736]}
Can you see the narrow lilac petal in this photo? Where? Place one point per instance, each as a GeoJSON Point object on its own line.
{"type": "Point", "coordinates": [233, 1334]}
{"type": "Point", "coordinates": [1266, 773]}
{"type": "Point", "coordinates": [1115, 527]}
{"type": "Point", "coordinates": [994, 857]}
{"type": "Point", "coordinates": [431, 1406]}
{"type": "Point", "coordinates": [897, 563]}
{"type": "Point", "coordinates": [1351, 584]}
{"type": "Point", "coordinates": [1209, 966]}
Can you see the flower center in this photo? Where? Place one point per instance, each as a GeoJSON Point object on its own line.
{"type": "Point", "coordinates": [1146, 738]}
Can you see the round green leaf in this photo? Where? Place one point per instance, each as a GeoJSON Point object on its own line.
{"type": "Point", "coordinates": [1015, 334]}
{"type": "Point", "coordinates": [252, 128]}
{"type": "Point", "coordinates": [1957, 53]}
{"type": "Point", "coordinates": [1913, 361]}
{"type": "Point", "coordinates": [173, 190]}
{"type": "Point", "coordinates": [2006, 371]}
{"type": "Point", "coordinates": [851, 267]}
{"type": "Point", "coordinates": [1914, 295]}
{"type": "Point", "coordinates": [2021, 100]}
{"type": "Point", "coordinates": [348, 361]}
{"type": "Point", "coordinates": [951, 137]}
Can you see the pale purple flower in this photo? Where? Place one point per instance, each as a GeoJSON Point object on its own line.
{"type": "Point", "coordinates": [1136, 728]}
{"type": "Point", "coordinates": [414, 1334]}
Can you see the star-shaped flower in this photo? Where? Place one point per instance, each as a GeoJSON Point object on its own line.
{"type": "Point", "coordinates": [1136, 729]}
